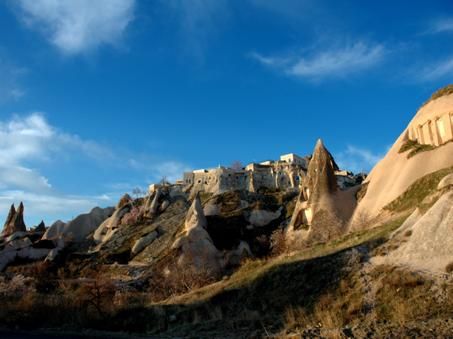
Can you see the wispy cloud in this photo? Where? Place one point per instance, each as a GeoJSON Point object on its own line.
{"type": "Point", "coordinates": [435, 71]}
{"type": "Point", "coordinates": [357, 159]}
{"type": "Point", "coordinates": [327, 63]}
{"type": "Point", "coordinates": [78, 26]}
{"type": "Point", "coordinates": [441, 26]}
{"type": "Point", "coordinates": [32, 140]}
{"type": "Point", "coordinates": [26, 142]}
{"type": "Point", "coordinates": [11, 74]}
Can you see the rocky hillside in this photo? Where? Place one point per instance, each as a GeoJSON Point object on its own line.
{"type": "Point", "coordinates": [329, 259]}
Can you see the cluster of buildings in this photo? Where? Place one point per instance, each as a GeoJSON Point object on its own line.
{"type": "Point", "coordinates": [285, 173]}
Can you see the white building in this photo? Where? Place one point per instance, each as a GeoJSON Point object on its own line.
{"type": "Point", "coordinates": [292, 158]}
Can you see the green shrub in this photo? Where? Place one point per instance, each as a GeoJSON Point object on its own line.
{"type": "Point", "coordinates": [414, 147]}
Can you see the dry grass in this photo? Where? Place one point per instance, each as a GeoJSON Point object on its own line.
{"type": "Point", "coordinates": [446, 90]}
{"type": "Point", "coordinates": [418, 191]}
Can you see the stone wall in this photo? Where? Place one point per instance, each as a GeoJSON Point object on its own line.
{"type": "Point", "coordinates": [278, 175]}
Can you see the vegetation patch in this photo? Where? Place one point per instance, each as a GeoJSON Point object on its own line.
{"type": "Point", "coordinates": [361, 192]}
{"type": "Point", "coordinates": [414, 148]}
{"type": "Point", "coordinates": [418, 191]}
{"type": "Point", "coordinates": [447, 90]}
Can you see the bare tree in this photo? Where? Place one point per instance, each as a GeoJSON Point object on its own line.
{"type": "Point", "coordinates": [137, 192]}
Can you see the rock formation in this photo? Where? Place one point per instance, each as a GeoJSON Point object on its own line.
{"type": "Point", "coordinates": [320, 211]}
{"type": "Point", "coordinates": [78, 229]}
{"type": "Point", "coordinates": [109, 225]}
{"type": "Point", "coordinates": [15, 220]}
{"type": "Point", "coordinates": [41, 227]}
{"type": "Point", "coordinates": [430, 237]}
{"type": "Point", "coordinates": [144, 241]}
{"type": "Point", "coordinates": [392, 176]}
{"type": "Point", "coordinates": [446, 182]}
{"type": "Point", "coordinates": [195, 246]}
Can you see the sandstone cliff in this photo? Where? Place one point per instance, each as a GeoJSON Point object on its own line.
{"type": "Point", "coordinates": [402, 166]}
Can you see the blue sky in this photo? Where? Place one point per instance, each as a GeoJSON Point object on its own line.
{"type": "Point", "coordinates": [97, 97]}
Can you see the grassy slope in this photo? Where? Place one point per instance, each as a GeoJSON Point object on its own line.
{"type": "Point", "coordinates": [255, 269]}
{"type": "Point", "coordinates": [418, 191]}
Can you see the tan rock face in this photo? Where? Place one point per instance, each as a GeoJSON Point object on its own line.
{"type": "Point", "coordinates": [195, 245]}
{"type": "Point", "coordinates": [393, 175]}
{"type": "Point", "coordinates": [15, 220]}
{"type": "Point", "coordinates": [321, 178]}
{"type": "Point", "coordinates": [80, 227]}
{"type": "Point", "coordinates": [322, 210]}
{"type": "Point", "coordinates": [446, 182]}
{"type": "Point", "coordinates": [430, 244]}
{"type": "Point", "coordinates": [317, 191]}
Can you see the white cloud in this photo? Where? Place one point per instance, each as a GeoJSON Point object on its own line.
{"type": "Point", "coordinates": [328, 63]}
{"type": "Point", "coordinates": [441, 26]}
{"type": "Point", "coordinates": [49, 207]}
{"type": "Point", "coordinates": [32, 140]}
{"type": "Point", "coordinates": [357, 159]}
{"type": "Point", "coordinates": [81, 25]}
{"type": "Point", "coordinates": [443, 69]}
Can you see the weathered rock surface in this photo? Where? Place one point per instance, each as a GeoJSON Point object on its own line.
{"type": "Point", "coordinates": [393, 175]}
{"type": "Point", "coordinates": [261, 218]}
{"type": "Point", "coordinates": [78, 229]}
{"type": "Point", "coordinates": [141, 243]}
{"type": "Point", "coordinates": [19, 246]}
{"type": "Point", "coordinates": [15, 220]}
{"type": "Point", "coordinates": [105, 230]}
{"type": "Point", "coordinates": [446, 182]}
{"type": "Point", "coordinates": [430, 243]}
{"type": "Point", "coordinates": [41, 227]}
{"type": "Point", "coordinates": [196, 246]}
{"type": "Point", "coordinates": [322, 209]}
{"type": "Point", "coordinates": [54, 230]}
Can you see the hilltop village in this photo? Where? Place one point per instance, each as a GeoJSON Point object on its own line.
{"type": "Point", "coordinates": [287, 173]}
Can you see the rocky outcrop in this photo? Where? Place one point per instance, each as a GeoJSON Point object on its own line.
{"type": "Point", "coordinates": [261, 218]}
{"type": "Point", "coordinates": [429, 238]}
{"type": "Point", "coordinates": [15, 220]}
{"type": "Point", "coordinates": [78, 229]}
{"type": "Point", "coordinates": [19, 246]}
{"type": "Point", "coordinates": [143, 242]}
{"type": "Point", "coordinates": [41, 227]}
{"type": "Point", "coordinates": [397, 171]}
{"type": "Point", "coordinates": [195, 247]}
{"type": "Point", "coordinates": [109, 225]}
{"type": "Point", "coordinates": [446, 182]}
{"type": "Point", "coordinates": [320, 210]}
